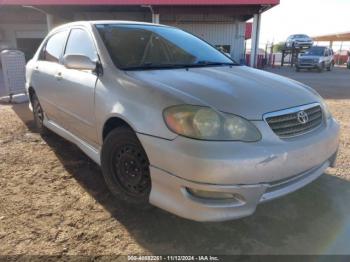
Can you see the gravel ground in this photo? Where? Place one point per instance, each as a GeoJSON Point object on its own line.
{"type": "Point", "coordinates": [53, 201]}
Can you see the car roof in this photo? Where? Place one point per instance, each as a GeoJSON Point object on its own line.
{"type": "Point", "coordinates": [101, 22]}
{"type": "Point", "coordinates": [299, 35]}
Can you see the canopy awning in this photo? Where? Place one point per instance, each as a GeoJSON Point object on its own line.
{"type": "Point", "coordinates": [333, 37]}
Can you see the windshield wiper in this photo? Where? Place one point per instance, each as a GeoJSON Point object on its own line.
{"type": "Point", "coordinates": [151, 66]}
{"type": "Point", "coordinates": [212, 63]}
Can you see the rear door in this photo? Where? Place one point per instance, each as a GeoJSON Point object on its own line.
{"type": "Point", "coordinates": [44, 77]}
{"type": "Point", "coordinates": [77, 88]}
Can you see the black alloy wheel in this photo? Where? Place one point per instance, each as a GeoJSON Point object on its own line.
{"type": "Point", "coordinates": [125, 166]}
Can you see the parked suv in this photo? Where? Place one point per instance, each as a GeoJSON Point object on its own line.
{"type": "Point", "coordinates": [174, 122]}
{"type": "Point", "coordinates": [299, 41]}
{"type": "Point", "coordinates": [317, 57]}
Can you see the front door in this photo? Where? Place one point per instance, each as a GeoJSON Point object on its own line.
{"type": "Point", "coordinates": [77, 88]}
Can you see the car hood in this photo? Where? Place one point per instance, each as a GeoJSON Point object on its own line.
{"type": "Point", "coordinates": [238, 90]}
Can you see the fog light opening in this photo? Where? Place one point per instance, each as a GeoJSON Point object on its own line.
{"type": "Point", "coordinates": [215, 195]}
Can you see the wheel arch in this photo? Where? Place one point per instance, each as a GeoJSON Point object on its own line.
{"type": "Point", "coordinates": [114, 122]}
{"type": "Point", "coordinates": [31, 92]}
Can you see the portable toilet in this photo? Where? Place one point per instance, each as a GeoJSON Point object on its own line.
{"type": "Point", "coordinates": [13, 73]}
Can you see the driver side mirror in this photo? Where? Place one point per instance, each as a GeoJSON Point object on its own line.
{"type": "Point", "coordinates": [79, 62]}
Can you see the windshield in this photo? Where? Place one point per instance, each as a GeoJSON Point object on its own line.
{"type": "Point", "coordinates": [300, 36]}
{"type": "Point", "coordinates": [134, 47]}
{"type": "Point", "coordinates": [315, 52]}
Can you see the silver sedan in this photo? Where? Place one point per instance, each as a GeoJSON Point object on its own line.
{"type": "Point", "coordinates": [176, 123]}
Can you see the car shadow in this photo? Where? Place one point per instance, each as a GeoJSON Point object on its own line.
{"type": "Point", "coordinates": [314, 220]}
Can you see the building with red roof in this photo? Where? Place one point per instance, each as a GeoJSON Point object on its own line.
{"type": "Point", "coordinates": [24, 23]}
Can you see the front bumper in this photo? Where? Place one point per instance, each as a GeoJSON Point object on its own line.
{"type": "Point", "coordinates": [309, 65]}
{"type": "Point", "coordinates": [170, 193]}
{"type": "Point", "coordinates": [257, 172]}
{"type": "Point", "coordinates": [303, 44]}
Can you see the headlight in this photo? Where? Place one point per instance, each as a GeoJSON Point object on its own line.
{"type": "Point", "coordinates": [325, 108]}
{"type": "Point", "coordinates": [206, 124]}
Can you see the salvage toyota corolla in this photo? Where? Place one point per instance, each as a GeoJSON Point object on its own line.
{"type": "Point", "coordinates": [176, 123]}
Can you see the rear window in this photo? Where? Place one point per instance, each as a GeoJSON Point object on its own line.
{"type": "Point", "coordinates": [54, 47]}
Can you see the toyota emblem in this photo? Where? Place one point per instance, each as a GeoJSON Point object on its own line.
{"type": "Point", "coordinates": [303, 117]}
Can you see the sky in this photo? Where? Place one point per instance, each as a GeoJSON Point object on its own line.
{"type": "Point", "coordinates": [311, 17]}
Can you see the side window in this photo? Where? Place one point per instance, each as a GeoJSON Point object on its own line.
{"type": "Point", "coordinates": [54, 47]}
{"type": "Point", "coordinates": [79, 42]}
{"type": "Point", "coordinates": [326, 52]}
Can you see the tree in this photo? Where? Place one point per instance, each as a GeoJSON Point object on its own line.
{"type": "Point", "coordinates": [277, 48]}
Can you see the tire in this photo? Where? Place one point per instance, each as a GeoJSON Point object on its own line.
{"type": "Point", "coordinates": [330, 68]}
{"type": "Point", "coordinates": [320, 69]}
{"type": "Point", "coordinates": [125, 166]}
{"type": "Point", "coordinates": [297, 69]}
{"type": "Point", "coordinates": [39, 115]}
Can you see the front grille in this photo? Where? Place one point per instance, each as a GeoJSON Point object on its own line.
{"type": "Point", "coordinates": [289, 123]}
{"type": "Point", "coordinates": [306, 61]}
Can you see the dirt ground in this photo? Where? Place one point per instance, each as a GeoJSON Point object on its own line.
{"type": "Point", "coordinates": [53, 201]}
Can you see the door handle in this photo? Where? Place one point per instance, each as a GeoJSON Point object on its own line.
{"type": "Point", "coordinates": [58, 76]}
{"type": "Point", "coordinates": [36, 69]}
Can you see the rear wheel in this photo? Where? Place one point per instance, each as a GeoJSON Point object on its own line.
{"type": "Point", "coordinates": [39, 115]}
{"type": "Point", "coordinates": [125, 166]}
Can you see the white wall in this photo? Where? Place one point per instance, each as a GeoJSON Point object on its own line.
{"type": "Point", "coordinates": [218, 33]}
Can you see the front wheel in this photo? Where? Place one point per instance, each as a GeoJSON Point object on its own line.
{"type": "Point", "coordinates": [125, 166]}
{"type": "Point", "coordinates": [330, 67]}
{"type": "Point", "coordinates": [321, 68]}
